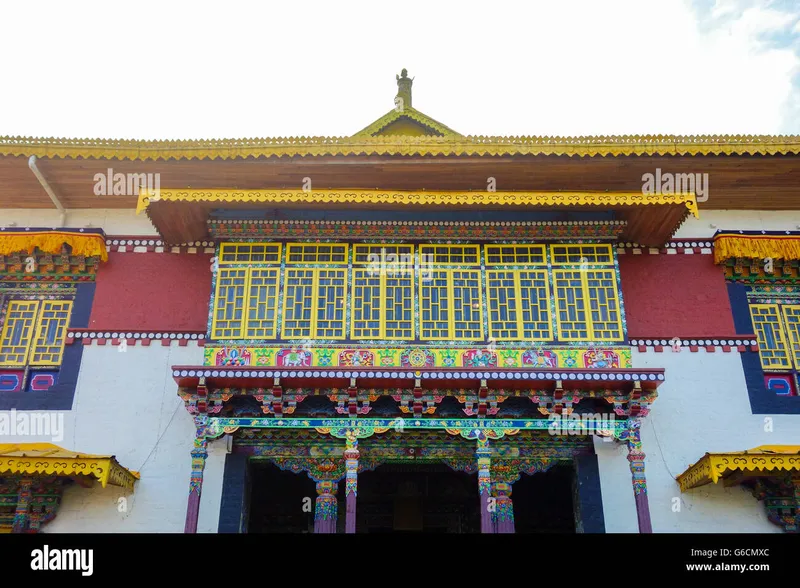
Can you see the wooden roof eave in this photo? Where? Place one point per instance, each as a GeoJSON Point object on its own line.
{"type": "Point", "coordinates": [180, 216]}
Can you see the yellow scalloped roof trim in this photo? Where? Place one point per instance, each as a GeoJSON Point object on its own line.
{"type": "Point", "coordinates": [146, 197]}
{"type": "Point", "coordinates": [400, 145]}
{"type": "Point", "coordinates": [712, 467]}
{"type": "Point", "coordinates": [49, 459]}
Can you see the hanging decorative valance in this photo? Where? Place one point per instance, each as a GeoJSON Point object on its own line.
{"type": "Point", "coordinates": [86, 242]}
{"type": "Point", "coordinates": [756, 245]}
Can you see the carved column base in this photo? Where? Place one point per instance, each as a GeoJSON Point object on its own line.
{"type": "Point", "coordinates": [326, 508]}
{"type": "Point", "coordinates": [504, 513]}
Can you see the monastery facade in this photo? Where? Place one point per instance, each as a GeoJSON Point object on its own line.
{"type": "Point", "coordinates": [404, 330]}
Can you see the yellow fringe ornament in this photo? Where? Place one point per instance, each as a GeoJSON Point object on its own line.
{"type": "Point", "coordinates": [88, 245]}
{"type": "Point", "coordinates": [727, 246]}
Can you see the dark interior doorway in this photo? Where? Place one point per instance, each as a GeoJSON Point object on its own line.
{"type": "Point", "coordinates": [417, 498]}
{"type": "Point", "coordinates": [280, 501]}
{"type": "Point", "coordinates": [544, 503]}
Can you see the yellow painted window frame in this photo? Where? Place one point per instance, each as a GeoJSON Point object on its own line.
{"type": "Point", "coordinates": [315, 271]}
{"type": "Point", "coordinates": [780, 331]}
{"type": "Point", "coordinates": [224, 247]}
{"type": "Point", "coordinates": [451, 319]}
{"type": "Point", "coordinates": [248, 299]}
{"type": "Point", "coordinates": [39, 328]}
{"type": "Point", "coordinates": [501, 264]}
{"type": "Point", "coordinates": [437, 264]}
{"type": "Point", "coordinates": [517, 279]}
{"type": "Point", "coordinates": [245, 297]}
{"type": "Point", "coordinates": [301, 244]}
{"type": "Point", "coordinates": [590, 330]}
{"type": "Point", "coordinates": [361, 266]}
{"type": "Point", "coordinates": [792, 330]}
{"type": "Point", "coordinates": [5, 338]}
{"type": "Point", "coordinates": [35, 331]}
{"type": "Point", "coordinates": [591, 264]}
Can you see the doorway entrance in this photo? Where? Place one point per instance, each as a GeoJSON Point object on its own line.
{"type": "Point", "coordinates": [418, 498]}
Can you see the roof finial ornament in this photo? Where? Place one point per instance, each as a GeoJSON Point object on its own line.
{"type": "Point", "coordinates": [403, 98]}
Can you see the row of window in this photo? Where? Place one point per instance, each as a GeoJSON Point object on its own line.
{"type": "Point", "coordinates": [425, 292]}
{"type": "Point", "coordinates": [33, 332]}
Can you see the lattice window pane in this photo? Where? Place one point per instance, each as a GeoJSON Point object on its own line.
{"type": "Point", "coordinates": [330, 298]}
{"type": "Point", "coordinates": [434, 306]}
{"type": "Point", "coordinates": [386, 257]}
{"type": "Point", "coordinates": [467, 320]}
{"type": "Point", "coordinates": [502, 305]}
{"type": "Point", "coordinates": [791, 317]}
{"type": "Point", "coordinates": [450, 254]}
{"type": "Point", "coordinates": [298, 303]}
{"type": "Point", "coordinates": [48, 344]}
{"type": "Point", "coordinates": [772, 342]}
{"type": "Point", "coordinates": [262, 303]}
{"type": "Point", "coordinates": [250, 253]}
{"type": "Point", "coordinates": [229, 304]}
{"type": "Point", "coordinates": [515, 255]}
{"type": "Point", "coordinates": [334, 253]}
{"type": "Point", "coordinates": [382, 302]}
{"type": "Point", "coordinates": [577, 254]}
{"type": "Point", "coordinates": [18, 331]}
{"type": "Point", "coordinates": [534, 297]}
{"type": "Point", "coordinates": [366, 304]}
{"type": "Point", "coordinates": [605, 316]}
{"type": "Point", "coordinates": [571, 314]}
{"type": "Point", "coordinates": [399, 309]}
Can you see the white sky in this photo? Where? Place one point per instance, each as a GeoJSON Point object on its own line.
{"type": "Point", "coordinates": [173, 70]}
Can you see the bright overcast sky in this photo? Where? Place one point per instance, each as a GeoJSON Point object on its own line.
{"type": "Point", "coordinates": [190, 70]}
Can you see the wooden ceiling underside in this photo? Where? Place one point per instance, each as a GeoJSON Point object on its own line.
{"type": "Point", "coordinates": [735, 182]}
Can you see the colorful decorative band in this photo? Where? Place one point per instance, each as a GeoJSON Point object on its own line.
{"type": "Point", "coordinates": [741, 344]}
{"type": "Point", "coordinates": [89, 336]}
{"type": "Point", "coordinates": [410, 230]}
{"type": "Point", "coordinates": [630, 375]}
{"type": "Point", "coordinates": [154, 244]}
{"type": "Point", "coordinates": [530, 357]}
{"type": "Point", "coordinates": [367, 426]}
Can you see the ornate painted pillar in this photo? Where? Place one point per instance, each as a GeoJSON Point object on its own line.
{"type": "Point", "coordinates": [22, 512]}
{"type": "Point", "coordinates": [351, 482]}
{"type": "Point", "coordinates": [485, 484]}
{"type": "Point", "coordinates": [636, 459]}
{"type": "Point", "coordinates": [205, 429]}
{"type": "Point", "coordinates": [326, 508]}
{"type": "Point", "coordinates": [504, 509]}
{"type": "Point", "coordinates": [199, 455]}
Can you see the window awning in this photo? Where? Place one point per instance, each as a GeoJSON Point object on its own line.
{"type": "Point", "coordinates": [52, 460]}
{"type": "Point", "coordinates": [182, 215]}
{"type": "Point", "coordinates": [85, 242]}
{"type": "Point", "coordinates": [736, 466]}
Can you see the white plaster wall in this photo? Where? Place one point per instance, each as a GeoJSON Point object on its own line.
{"type": "Point", "coordinates": [112, 221]}
{"type": "Point", "coordinates": [702, 407]}
{"type": "Point", "coordinates": [740, 220]}
{"type": "Point", "coordinates": [126, 404]}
